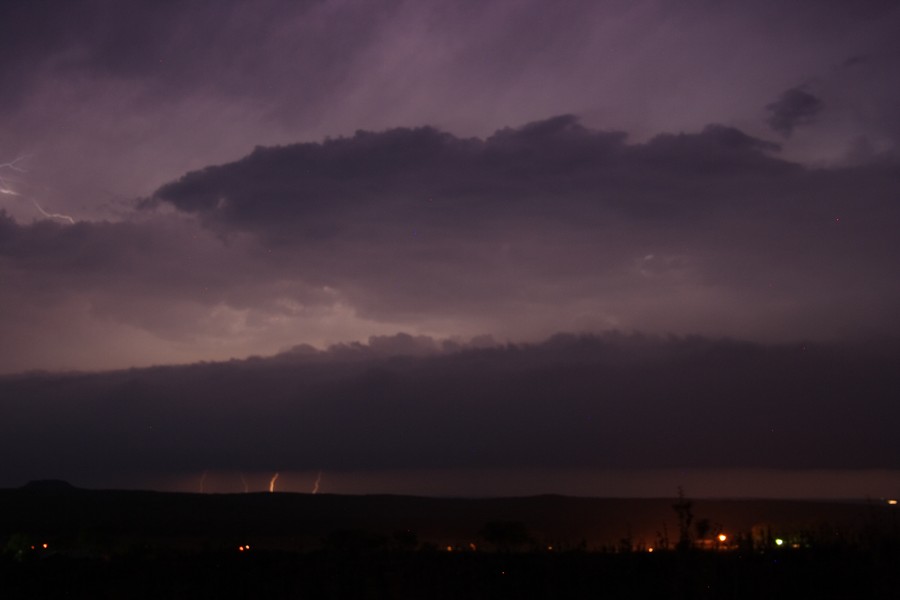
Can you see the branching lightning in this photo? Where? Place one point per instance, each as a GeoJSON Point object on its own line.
{"type": "Point", "coordinates": [6, 190]}
{"type": "Point", "coordinates": [315, 489]}
{"type": "Point", "coordinates": [4, 187]}
{"type": "Point", "coordinates": [272, 482]}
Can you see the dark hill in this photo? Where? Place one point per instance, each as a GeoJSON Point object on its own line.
{"type": "Point", "coordinates": [49, 485]}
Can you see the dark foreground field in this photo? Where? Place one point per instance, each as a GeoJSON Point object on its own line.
{"type": "Point", "coordinates": [113, 544]}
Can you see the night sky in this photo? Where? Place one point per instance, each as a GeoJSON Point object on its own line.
{"type": "Point", "coordinates": [477, 239]}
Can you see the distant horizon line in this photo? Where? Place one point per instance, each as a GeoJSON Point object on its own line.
{"type": "Point", "coordinates": [735, 483]}
{"type": "Point", "coordinates": [73, 488]}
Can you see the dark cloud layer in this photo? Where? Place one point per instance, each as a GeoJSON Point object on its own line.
{"type": "Point", "coordinates": [417, 220]}
{"type": "Point", "coordinates": [546, 227]}
{"type": "Point", "coordinates": [612, 402]}
{"type": "Point", "coordinates": [794, 108]}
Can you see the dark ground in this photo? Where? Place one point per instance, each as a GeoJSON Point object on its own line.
{"type": "Point", "coordinates": [113, 544]}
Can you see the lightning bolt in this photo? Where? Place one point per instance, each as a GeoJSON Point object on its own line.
{"type": "Point", "coordinates": [5, 189]}
{"type": "Point", "coordinates": [59, 216]}
{"type": "Point", "coordinates": [244, 481]}
{"type": "Point", "coordinates": [272, 482]}
{"type": "Point", "coordinates": [202, 482]}
{"type": "Point", "coordinates": [315, 489]}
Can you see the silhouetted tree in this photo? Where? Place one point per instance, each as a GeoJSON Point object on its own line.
{"type": "Point", "coordinates": [505, 535]}
{"type": "Point", "coordinates": [702, 527]}
{"type": "Point", "coordinates": [405, 540]}
{"type": "Point", "coordinates": [662, 538]}
{"type": "Point", "coordinates": [354, 541]}
{"type": "Point", "coordinates": [684, 509]}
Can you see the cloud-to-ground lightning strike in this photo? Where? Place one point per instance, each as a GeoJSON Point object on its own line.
{"type": "Point", "coordinates": [315, 489]}
{"type": "Point", "coordinates": [5, 189]}
{"type": "Point", "coordinates": [272, 482]}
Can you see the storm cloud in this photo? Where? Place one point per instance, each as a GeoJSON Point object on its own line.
{"type": "Point", "coordinates": [114, 100]}
{"type": "Point", "coordinates": [794, 108]}
{"type": "Point", "coordinates": [207, 183]}
{"type": "Point", "coordinates": [413, 221]}
{"type": "Point", "coordinates": [622, 402]}
{"type": "Point", "coordinates": [551, 226]}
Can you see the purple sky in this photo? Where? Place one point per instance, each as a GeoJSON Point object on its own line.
{"type": "Point", "coordinates": [200, 181]}
{"type": "Point", "coordinates": [631, 214]}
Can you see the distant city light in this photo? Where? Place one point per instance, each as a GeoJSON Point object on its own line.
{"type": "Point", "coordinates": [892, 501]}
{"type": "Point", "coordinates": [44, 546]}
{"type": "Point", "coordinates": [779, 542]}
{"type": "Point", "coordinates": [722, 537]}
{"type": "Point", "coordinates": [649, 549]}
